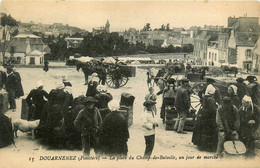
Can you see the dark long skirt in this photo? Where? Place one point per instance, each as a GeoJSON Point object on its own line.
{"type": "Point", "coordinates": [205, 131]}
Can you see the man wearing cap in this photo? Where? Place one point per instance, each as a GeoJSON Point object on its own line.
{"type": "Point", "coordinates": [249, 124]}
{"type": "Point", "coordinates": [182, 103]}
{"type": "Point", "coordinates": [11, 87]}
{"type": "Point", "coordinates": [254, 89]}
{"type": "Point", "coordinates": [228, 123]}
{"type": "Point", "coordinates": [241, 88]}
{"type": "Point", "coordinates": [149, 124]}
{"type": "Point", "coordinates": [36, 102]}
{"type": "Point", "coordinates": [88, 122]}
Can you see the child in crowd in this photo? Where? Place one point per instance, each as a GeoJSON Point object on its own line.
{"type": "Point", "coordinates": [148, 126]}
{"type": "Point", "coordinates": [152, 97]}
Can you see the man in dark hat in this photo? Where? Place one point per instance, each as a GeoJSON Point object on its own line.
{"type": "Point", "coordinates": [11, 87]}
{"type": "Point", "coordinates": [254, 89]}
{"type": "Point", "coordinates": [88, 122]}
{"type": "Point", "coordinates": [228, 123]}
{"type": "Point", "coordinates": [148, 127]}
{"type": "Point", "coordinates": [241, 88]}
{"type": "Point", "coordinates": [182, 103]}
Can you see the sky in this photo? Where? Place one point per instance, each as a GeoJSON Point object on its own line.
{"type": "Point", "coordinates": [125, 14]}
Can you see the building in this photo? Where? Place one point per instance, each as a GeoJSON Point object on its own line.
{"type": "Point", "coordinates": [223, 38]}
{"type": "Point", "coordinates": [102, 29]}
{"type": "Point", "coordinates": [244, 24]}
{"type": "Point", "coordinates": [73, 42]}
{"type": "Point", "coordinates": [132, 35]}
{"type": "Point", "coordinates": [35, 57]}
{"type": "Point", "coordinates": [158, 37]}
{"type": "Point", "coordinates": [22, 45]}
{"type": "Point", "coordinates": [146, 37]}
{"type": "Point", "coordinates": [201, 43]}
{"type": "Point", "coordinates": [241, 45]}
{"type": "Point", "coordinates": [244, 35]}
{"type": "Point", "coordinates": [213, 54]}
{"type": "Point", "coordinates": [256, 56]}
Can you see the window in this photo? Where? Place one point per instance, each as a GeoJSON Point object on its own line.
{"type": "Point", "coordinates": [32, 60]}
{"type": "Point", "coordinates": [220, 43]}
{"type": "Point", "coordinates": [215, 57]}
{"type": "Point", "coordinates": [209, 55]}
{"type": "Point", "coordinates": [248, 53]}
{"type": "Point", "coordinates": [12, 50]}
{"type": "Point", "coordinates": [204, 55]}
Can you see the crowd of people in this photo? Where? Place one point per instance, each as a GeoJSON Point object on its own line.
{"type": "Point", "coordinates": [232, 117]}
{"type": "Point", "coordinates": [83, 122]}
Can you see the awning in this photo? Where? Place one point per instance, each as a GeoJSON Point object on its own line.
{"type": "Point", "coordinates": [247, 62]}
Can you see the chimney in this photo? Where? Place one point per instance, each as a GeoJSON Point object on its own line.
{"type": "Point", "coordinates": [191, 34]}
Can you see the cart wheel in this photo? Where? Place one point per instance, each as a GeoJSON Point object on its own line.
{"type": "Point", "coordinates": [195, 103]}
{"type": "Point", "coordinates": [110, 81]}
{"type": "Point", "coordinates": [123, 81]}
{"type": "Point", "coordinates": [198, 87]}
{"type": "Point", "coordinates": [218, 72]}
{"type": "Point", "coordinates": [195, 99]}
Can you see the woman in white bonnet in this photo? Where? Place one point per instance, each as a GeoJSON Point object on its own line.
{"type": "Point", "coordinates": [205, 134]}
{"type": "Point", "coordinates": [249, 125]}
{"type": "Point", "coordinates": [232, 94]}
{"type": "Point", "coordinates": [36, 101]}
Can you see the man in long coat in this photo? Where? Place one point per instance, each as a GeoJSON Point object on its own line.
{"type": "Point", "coordinates": [11, 86]}
{"type": "Point", "coordinates": [88, 122]}
{"type": "Point", "coordinates": [182, 103]}
{"type": "Point", "coordinates": [19, 90]}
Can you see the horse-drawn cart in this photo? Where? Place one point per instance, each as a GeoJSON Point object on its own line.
{"type": "Point", "coordinates": [121, 73]}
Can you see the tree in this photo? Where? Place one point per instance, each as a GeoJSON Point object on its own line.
{"type": "Point", "coordinates": [168, 27]}
{"type": "Point", "coordinates": [9, 29]}
{"type": "Point", "coordinates": [77, 35]}
{"type": "Point", "coordinates": [147, 27]}
{"type": "Point", "coordinates": [162, 27]}
{"type": "Point", "coordinates": [58, 47]}
{"type": "Point", "coordinates": [8, 20]}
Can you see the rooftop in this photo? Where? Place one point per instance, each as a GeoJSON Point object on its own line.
{"type": "Point", "coordinates": [246, 38]}
{"type": "Point", "coordinates": [26, 36]}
